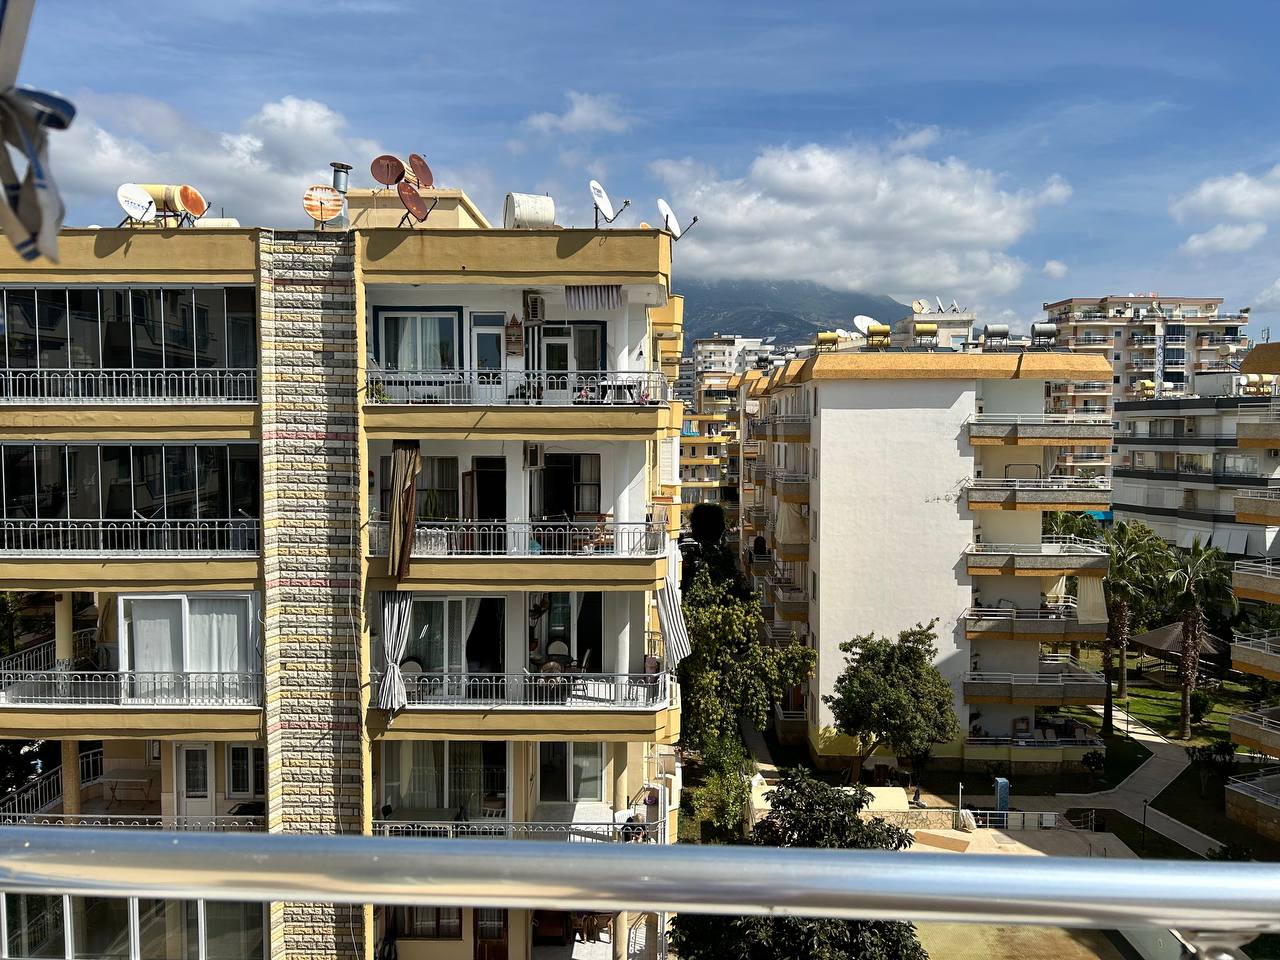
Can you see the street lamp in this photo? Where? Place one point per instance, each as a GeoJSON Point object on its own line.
{"type": "Point", "coordinates": [1144, 824]}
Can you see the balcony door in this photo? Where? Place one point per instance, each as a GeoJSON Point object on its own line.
{"type": "Point", "coordinates": [188, 647]}
{"type": "Point", "coordinates": [491, 933]}
{"type": "Point", "coordinates": [557, 361]}
{"type": "Point", "coordinates": [194, 778]}
{"type": "Point", "coordinates": [486, 358]}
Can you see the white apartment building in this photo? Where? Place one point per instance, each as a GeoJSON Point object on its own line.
{"type": "Point", "coordinates": [727, 353]}
{"type": "Point", "coordinates": [685, 382]}
{"type": "Point", "coordinates": [894, 488]}
{"type": "Point", "coordinates": [1153, 344]}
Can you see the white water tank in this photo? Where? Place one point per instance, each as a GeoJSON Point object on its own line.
{"type": "Point", "coordinates": [528, 211]}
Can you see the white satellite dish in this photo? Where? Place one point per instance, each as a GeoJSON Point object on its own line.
{"type": "Point", "coordinates": [136, 203]}
{"type": "Point", "coordinates": [919, 306]}
{"type": "Point", "coordinates": [670, 222]}
{"type": "Point", "coordinates": [862, 323]}
{"type": "Point", "coordinates": [601, 199]}
{"type": "Point", "coordinates": [941, 308]}
{"type": "Point", "coordinates": [956, 308]}
{"type": "Point", "coordinates": [843, 334]}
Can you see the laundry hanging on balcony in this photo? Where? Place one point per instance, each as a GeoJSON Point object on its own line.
{"type": "Point", "coordinates": [406, 463]}
{"type": "Point", "coordinates": [599, 296]}
{"type": "Point", "coordinates": [1091, 605]}
{"type": "Point", "coordinates": [675, 635]}
{"type": "Point", "coordinates": [397, 619]}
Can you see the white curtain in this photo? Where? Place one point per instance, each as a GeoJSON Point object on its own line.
{"type": "Point", "coordinates": [155, 637]}
{"type": "Point", "coordinates": [397, 611]}
{"type": "Point", "coordinates": [1091, 605]}
{"type": "Point", "coordinates": [466, 776]}
{"type": "Point", "coordinates": [473, 611]}
{"type": "Point", "coordinates": [219, 634]}
{"type": "Point", "coordinates": [425, 791]}
{"type": "Point", "coordinates": [431, 343]}
{"type": "Point", "coordinates": [597, 296]}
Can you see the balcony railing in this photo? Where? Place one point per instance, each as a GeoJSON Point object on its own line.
{"type": "Point", "coordinates": [41, 657]}
{"type": "Point", "coordinates": [1095, 484]}
{"type": "Point", "coordinates": [95, 538]}
{"type": "Point", "coordinates": [1042, 419]}
{"type": "Point", "coordinates": [211, 824]}
{"type": "Point", "coordinates": [64, 688]}
{"type": "Point", "coordinates": [529, 538]}
{"type": "Point", "coordinates": [45, 791]}
{"type": "Point", "coordinates": [1050, 545]}
{"type": "Point", "coordinates": [231, 385]}
{"type": "Point", "coordinates": [585, 691]}
{"type": "Point", "coordinates": [1258, 568]}
{"type": "Point", "coordinates": [1262, 642]}
{"type": "Point", "coordinates": [1092, 742]}
{"type": "Point", "coordinates": [577, 832]}
{"type": "Point", "coordinates": [1263, 786]}
{"type": "Point", "coordinates": [517, 388]}
{"type": "Point", "coordinates": [1062, 610]}
{"type": "Point", "coordinates": [1053, 672]}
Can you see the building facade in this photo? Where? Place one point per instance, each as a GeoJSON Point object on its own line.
{"type": "Point", "coordinates": [894, 488]}
{"type": "Point", "coordinates": [342, 532]}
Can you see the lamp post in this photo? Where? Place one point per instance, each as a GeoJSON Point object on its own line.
{"type": "Point", "coordinates": [1144, 824]}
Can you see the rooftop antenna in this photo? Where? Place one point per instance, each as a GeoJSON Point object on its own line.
{"type": "Point", "coordinates": [419, 173]}
{"type": "Point", "coordinates": [322, 203]}
{"type": "Point", "coordinates": [862, 323]}
{"type": "Point", "coordinates": [670, 222]}
{"type": "Point", "coordinates": [387, 170]}
{"type": "Point", "coordinates": [603, 205]}
{"type": "Point", "coordinates": [956, 308]}
{"type": "Point", "coordinates": [919, 306]}
{"type": "Point", "coordinates": [137, 204]}
{"type": "Point", "coordinates": [415, 208]}
{"type": "Point", "coordinates": [941, 308]}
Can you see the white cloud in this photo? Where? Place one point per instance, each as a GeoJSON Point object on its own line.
{"type": "Point", "coordinates": [1224, 238]}
{"type": "Point", "coordinates": [586, 113]}
{"type": "Point", "coordinates": [1238, 196]}
{"type": "Point", "coordinates": [857, 218]}
{"type": "Point", "coordinates": [915, 140]}
{"type": "Point", "coordinates": [1054, 269]}
{"type": "Point", "coordinates": [1268, 301]}
{"type": "Point", "coordinates": [257, 173]}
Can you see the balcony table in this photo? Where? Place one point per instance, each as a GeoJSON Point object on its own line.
{"type": "Point", "coordinates": [128, 779]}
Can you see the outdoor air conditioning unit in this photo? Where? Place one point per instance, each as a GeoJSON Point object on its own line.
{"type": "Point", "coordinates": [1273, 452]}
{"type": "Point", "coordinates": [535, 307]}
{"type": "Point", "coordinates": [532, 455]}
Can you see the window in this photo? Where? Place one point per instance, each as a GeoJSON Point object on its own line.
{"type": "Point", "coordinates": [569, 627]}
{"type": "Point", "coordinates": [570, 772]}
{"type": "Point", "coordinates": [153, 752]}
{"type": "Point", "coordinates": [437, 492]}
{"type": "Point", "coordinates": [246, 770]}
{"type": "Point", "coordinates": [418, 341]}
{"type": "Point", "coordinates": [429, 923]}
{"type": "Point", "coordinates": [196, 633]}
{"type": "Point", "coordinates": [444, 780]}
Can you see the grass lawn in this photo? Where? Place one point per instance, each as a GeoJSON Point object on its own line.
{"type": "Point", "coordinates": [1157, 847]}
{"type": "Point", "coordinates": [1182, 801]}
{"type": "Point", "coordinates": [1124, 754]}
{"type": "Point", "coordinates": [1158, 708]}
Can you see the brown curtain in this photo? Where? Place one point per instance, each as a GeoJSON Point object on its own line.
{"type": "Point", "coordinates": [406, 464]}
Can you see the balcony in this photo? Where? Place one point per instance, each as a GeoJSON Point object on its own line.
{"type": "Point", "coordinates": [777, 634]}
{"type": "Point", "coordinates": [538, 691]}
{"type": "Point", "coordinates": [1261, 507]}
{"type": "Point", "coordinates": [790, 602]}
{"type": "Point", "coordinates": [1256, 580]}
{"type": "Point", "coordinates": [65, 688]}
{"type": "Point", "coordinates": [750, 448]}
{"type": "Point", "coordinates": [130, 538]}
{"type": "Point", "coordinates": [1257, 653]}
{"type": "Point", "coordinates": [789, 428]}
{"type": "Point", "coordinates": [602, 831]}
{"type": "Point", "coordinates": [1040, 429]}
{"type": "Point", "coordinates": [1089, 342]}
{"type": "Point", "coordinates": [790, 542]}
{"type": "Point", "coordinates": [1059, 681]}
{"type": "Point", "coordinates": [144, 386]}
{"type": "Point", "coordinates": [1254, 801]}
{"type": "Point", "coordinates": [1258, 424]}
{"type": "Point", "coordinates": [1054, 557]}
{"type": "Point", "coordinates": [1052, 493]}
{"type": "Point", "coordinates": [1056, 623]}
{"type": "Point", "coordinates": [1259, 730]}
{"type": "Point", "coordinates": [790, 487]}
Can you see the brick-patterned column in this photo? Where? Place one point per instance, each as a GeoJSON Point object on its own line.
{"type": "Point", "coordinates": [316, 757]}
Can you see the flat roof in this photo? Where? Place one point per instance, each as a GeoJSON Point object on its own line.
{"type": "Point", "coordinates": [1130, 298]}
{"type": "Point", "coordinates": [892, 365]}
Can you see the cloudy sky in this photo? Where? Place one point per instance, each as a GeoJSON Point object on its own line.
{"type": "Point", "coordinates": [1002, 153]}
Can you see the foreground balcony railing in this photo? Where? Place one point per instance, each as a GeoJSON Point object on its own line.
{"type": "Point", "coordinates": [1054, 484]}
{"type": "Point", "coordinates": [517, 388]}
{"type": "Point", "coordinates": [95, 538]}
{"type": "Point", "coordinates": [1051, 545]}
{"type": "Point", "coordinates": [584, 832]}
{"type": "Point", "coordinates": [231, 385]}
{"type": "Point", "coordinates": [128, 821]}
{"type": "Point", "coordinates": [529, 538]}
{"type": "Point", "coordinates": [59, 688]}
{"type": "Point", "coordinates": [586, 691]}
{"type": "Point", "coordinates": [1217, 906]}
{"type": "Point", "coordinates": [1259, 727]}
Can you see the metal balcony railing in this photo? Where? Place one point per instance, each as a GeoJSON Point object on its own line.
{"type": "Point", "coordinates": [1263, 785]}
{"type": "Point", "coordinates": [1042, 419]}
{"type": "Point", "coordinates": [45, 790]}
{"type": "Point", "coordinates": [95, 538]}
{"type": "Point", "coordinates": [129, 821]}
{"type": "Point", "coordinates": [1062, 610]}
{"type": "Point", "coordinates": [1050, 545]}
{"type": "Point", "coordinates": [1043, 483]}
{"type": "Point", "coordinates": [62, 688]}
{"type": "Point", "coordinates": [562, 690]}
{"type": "Point", "coordinates": [213, 385]}
{"type": "Point", "coordinates": [517, 388]}
{"type": "Point", "coordinates": [1263, 642]}
{"type": "Point", "coordinates": [1216, 906]}
{"type": "Point", "coordinates": [1265, 718]}
{"type": "Point", "coordinates": [40, 657]}
{"type": "Point", "coordinates": [529, 538]}
{"type": "Point", "coordinates": [1258, 568]}
{"type": "Point", "coordinates": [1034, 744]}
{"type": "Point", "coordinates": [497, 829]}
{"type": "Point", "coordinates": [1054, 671]}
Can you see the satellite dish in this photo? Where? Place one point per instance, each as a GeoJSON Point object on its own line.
{"type": "Point", "coordinates": [387, 170]}
{"type": "Point", "coordinates": [862, 323]}
{"type": "Point", "coordinates": [322, 203]}
{"type": "Point", "coordinates": [956, 308]}
{"type": "Point", "coordinates": [414, 205]}
{"type": "Point", "coordinates": [601, 200]}
{"type": "Point", "coordinates": [941, 308]}
{"type": "Point", "coordinates": [136, 203]}
{"type": "Point", "coordinates": [421, 172]}
{"type": "Point", "coordinates": [670, 222]}
{"type": "Point", "coordinates": [919, 306]}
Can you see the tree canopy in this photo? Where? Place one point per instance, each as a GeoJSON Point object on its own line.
{"type": "Point", "coordinates": [806, 813]}
{"type": "Point", "coordinates": [891, 694]}
{"type": "Point", "coordinates": [1200, 578]}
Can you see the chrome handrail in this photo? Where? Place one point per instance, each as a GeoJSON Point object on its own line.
{"type": "Point", "coordinates": [517, 388]}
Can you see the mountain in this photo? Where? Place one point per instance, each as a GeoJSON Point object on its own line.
{"type": "Point", "coordinates": [790, 310]}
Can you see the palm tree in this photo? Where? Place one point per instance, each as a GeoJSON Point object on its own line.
{"type": "Point", "coordinates": [1200, 578]}
{"type": "Point", "coordinates": [1138, 559]}
{"type": "Point", "coordinates": [1063, 523]}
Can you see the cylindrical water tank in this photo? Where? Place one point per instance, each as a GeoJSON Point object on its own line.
{"type": "Point", "coordinates": [995, 331]}
{"type": "Point", "coordinates": [1044, 331]}
{"type": "Point", "coordinates": [922, 329]}
{"type": "Point", "coordinates": [176, 198]}
{"type": "Point", "coordinates": [827, 339]}
{"type": "Point", "coordinates": [528, 211]}
{"type": "Point", "coordinates": [878, 330]}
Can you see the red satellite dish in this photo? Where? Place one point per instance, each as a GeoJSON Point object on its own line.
{"type": "Point", "coordinates": [387, 170]}
{"type": "Point", "coordinates": [412, 201]}
{"type": "Point", "coordinates": [420, 170]}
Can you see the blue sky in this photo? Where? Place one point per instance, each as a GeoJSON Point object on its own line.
{"type": "Point", "coordinates": [1000, 153]}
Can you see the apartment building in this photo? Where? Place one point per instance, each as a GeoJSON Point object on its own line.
{"type": "Point", "coordinates": [899, 487]}
{"type": "Point", "coordinates": [345, 532]}
{"type": "Point", "coordinates": [1153, 344]}
{"type": "Point", "coordinates": [1181, 465]}
{"type": "Point", "coordinates": [728, 353]}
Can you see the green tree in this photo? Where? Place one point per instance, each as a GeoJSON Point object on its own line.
{"type": "Point", "coordinates": [1201, 704]}
{"type": "Point", "coordinates": [1138, 559]}
{"type": "Point", "coordinates": [891, 694]}
{"type": "Point", "coordinates": [731, 673]}
{"type": "Point", "coordinates": [1095, 761]}
{"type": "Point", "coordinates": [1200, 578]}
{"type": "Point", "coordinates": [806, 813]}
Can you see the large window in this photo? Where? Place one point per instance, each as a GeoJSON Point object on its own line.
{"type": "Point", "coordinates": [443, 780]}
{"type": "Point", "coordinates": [455, 636]}
{"type": "Point", "coordinates": [192, 633]}
{"type": "Point", "coordinates": [570, 486]}
{"type": "Point", "coordinates": [570, 772]}
{"type": "Point", "coordinates": [428, 923]}
{"type": "Point", "coordinates": [412, 341]}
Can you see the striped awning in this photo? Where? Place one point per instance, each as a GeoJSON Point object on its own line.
{"type": "Point", "coordinates": [675, 635]}
{"type": "Point", "coordinates": [600, 296]}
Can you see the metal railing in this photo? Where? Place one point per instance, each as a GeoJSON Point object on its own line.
{"type": "Point", "coordinates": [517, 388]}
{"type": "Point", "coordinates": [588, 691]}
{"type": "Point", "coordinates": [1027, 741]}
{"type": "Point", "coordinates": [211, 385]}
{"type": "Point", "coordinates": [1262, 785]}
{"type": "Point", "coordinates": [1053, 611]}
{"type": "Point", "coordinates": [59, 688]}
{"type": "Point", "coordinates": [46, 790]}
{"type": "Point", "coordinates": [951, 818]}
{"type": "Point", "coordinates": [211, 824]}
{"type": "Point", "coordinates": [1089, 341]}
{"type": "Point", "coordinates": [1258, 568]}
{"type": "Point", "coordinates": [1265, 718]}
{"type": "Point", "coordinates": [1041, 419]}
{"type": "Point", "coordinates": [40, 657]}
{"type": "Point", "coordinates": [529, 538]}
{"type": "Point", "coordinates": [1050, 545]}
{"type": "Point", "coordinates": [1262, 641]}
{"type": "Point", "coordinates": [92, 538]}
{"type": "Point", "coordinates": [1218, 906]}
{"type": "Point", "coordinates": [497, 829]}
{"type": "Point", "coordinates": [1054, 671]}
{"type": "Point", "coordinates": [1260, 411]}
{"type": "Point", "coordinates": [1258, 493]}
{"type": "Point", "coordinates": [1043, 483]}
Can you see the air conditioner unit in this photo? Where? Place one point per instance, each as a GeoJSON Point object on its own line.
{"type": "Point", "coordinates": [1273, 451]}
{"type": "Point", "coordinates": [535, 307]}
{"type": "Point", "coordinates": [532, 455]}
